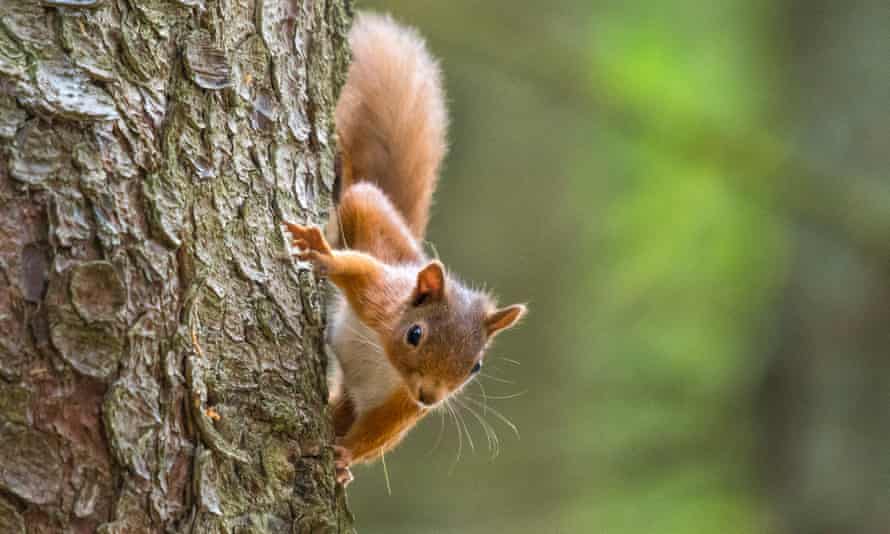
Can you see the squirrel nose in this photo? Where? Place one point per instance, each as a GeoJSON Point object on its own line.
{"type": "Point", "coordinates": [425, 397]}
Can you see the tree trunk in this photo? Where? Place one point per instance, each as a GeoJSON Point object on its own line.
{"type": "Point", "coordinates": [162, 363]}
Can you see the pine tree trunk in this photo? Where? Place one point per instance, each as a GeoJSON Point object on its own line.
{"type": "Point", "coordinates": [161, 355]}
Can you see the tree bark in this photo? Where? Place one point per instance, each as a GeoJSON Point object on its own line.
{"type": "Point", "coordinates": [162, 363]}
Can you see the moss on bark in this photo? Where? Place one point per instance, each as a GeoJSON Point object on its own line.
{"type": "Point", "coordinates": [161, 356]}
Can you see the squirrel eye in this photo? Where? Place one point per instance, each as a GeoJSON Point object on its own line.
{"type": "Point", "coordinates": [476, 368]}
{"type": "Point", "coordinates": [414, 335]}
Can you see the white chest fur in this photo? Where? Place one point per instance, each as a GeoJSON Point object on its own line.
{"type": "Point", "coordinates": [367, 374]}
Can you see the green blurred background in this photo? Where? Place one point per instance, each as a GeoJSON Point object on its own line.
{"type": "Point", "coordinates": [694, 198]}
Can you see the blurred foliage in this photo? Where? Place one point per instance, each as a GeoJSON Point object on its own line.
{"type": "Point", "coordinates": [615, 164]}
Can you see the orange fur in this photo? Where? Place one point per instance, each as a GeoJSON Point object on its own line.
{"type": "Point", "coordinates": [367, 221]}
{"type": "Point", "coordinates": [382, 427]}
{"type": "Point", "coordinates": [362, 278]}
{"type": "Point", "coordinates": [391, 122]}
{"type": "Point", "coordinates": [344, 415]}
{"type": "Point", "coordinates": [385, 297]}
{"type": "Point", "coordinates": [391, 117]}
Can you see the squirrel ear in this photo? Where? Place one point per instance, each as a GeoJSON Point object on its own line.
{"type": "Point", "coordinates": [504, 318]}
{"type": "Point", "coordinates": [430, 283]}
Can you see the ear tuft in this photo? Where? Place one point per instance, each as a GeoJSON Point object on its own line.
{"type": "Point", "coordinates": [430, 283]}
{"type": "Point", "coordinates": [504, 318]}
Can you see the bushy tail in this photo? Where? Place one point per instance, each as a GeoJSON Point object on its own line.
{"type": "Point", "coordinates": [391, 116]}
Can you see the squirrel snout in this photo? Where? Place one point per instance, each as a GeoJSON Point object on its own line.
{"type": "Point", "coordinates": [426, 398]}
{"type": "Point", "coordinates": [426, 389]}
{"type": "Point", "coordinates": [429, 396]}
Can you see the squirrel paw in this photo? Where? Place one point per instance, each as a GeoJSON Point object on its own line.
{"type": "Point", "coordinates": [344, 476]}
{"type": "Point", "coordinates": [311, 242]}
{"type": "Point", "coordinates": [342, 456]}
{"type": "Point", "coordinates": [342, 460]}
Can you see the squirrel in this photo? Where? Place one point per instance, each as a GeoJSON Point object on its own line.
{"type": "Point", "coordinates": [405, 331]}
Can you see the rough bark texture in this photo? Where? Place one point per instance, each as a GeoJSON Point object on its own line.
{"type": "Point", "coordinates": [161, 356]}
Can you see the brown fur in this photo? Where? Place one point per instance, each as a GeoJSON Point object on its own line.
{"type": "Point", "coordinates": [391, 117]}
{"type": "Point", "coordinates": [382, 427]}
{"type": "Point", "coordinates": [458, 324]}
{"type": "Point", "coordinates": [365, 282]}
{"type": "Point", "coordinates": [367, 221]}
{"type": "Point", "coordinates": [344, 415]}
{"type": "Point", "coordinates": [391, 122]}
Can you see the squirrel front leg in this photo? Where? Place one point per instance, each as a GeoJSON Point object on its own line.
{"type": "Point", "coordinates": [380, 429]}
{"type": "Point", "coordinates": [315, 248]}
{"type": "Point", "coordinates": [359, 276]}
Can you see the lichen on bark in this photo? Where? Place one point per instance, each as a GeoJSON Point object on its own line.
{"type": "Point", "coordinates": [161, 355]}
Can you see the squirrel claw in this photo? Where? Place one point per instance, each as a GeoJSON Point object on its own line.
{"type": "Point", "coordinates": [344, 476]}
{"type": "Point", "coordinates": [342, 460]}
{"type": "Point", "coordinates": [308, 237]}
{"type": "Point", "coordinates": [311, 243]}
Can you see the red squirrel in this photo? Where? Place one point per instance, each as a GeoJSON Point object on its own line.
{"type": "Point", "coordinates": [406, 333]}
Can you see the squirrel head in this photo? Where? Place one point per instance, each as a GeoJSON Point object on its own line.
{"type": "Point", "coordinates": [440, 338]}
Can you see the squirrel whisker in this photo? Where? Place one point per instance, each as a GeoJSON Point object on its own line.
{"type": "Point", "coordinates": [497, 379]}
{"type": "Point", "coordinates": [505, 397]}
{"type": "Point", "coordinates": [504, 419]}
{"type": "Point", "coordinates": [463, 422]}
{"type": "Point", "coordinates": [460, 438]}
{"type": "Point", "coordinates": [490, 434]}
{"type": "Point", "coordinates": [435, 446]}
